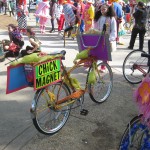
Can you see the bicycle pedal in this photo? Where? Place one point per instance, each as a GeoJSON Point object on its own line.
{"type": "Point", "coordinates": [84, 112]}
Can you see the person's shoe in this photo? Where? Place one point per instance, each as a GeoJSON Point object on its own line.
{"type": "Point", "coordinates": [141, 49]}
{"type": "Point", "coordinates": [119, 43]}
{"type": "Point", "coordinates": [130, 47]}
{"type": "Point", "coordinates": [51, 31]}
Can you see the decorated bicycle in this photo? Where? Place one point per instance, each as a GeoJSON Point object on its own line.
{"type": "Point", "coordinates": [57, 91]}
{"type": "Point", "coordinates": [137, 135]}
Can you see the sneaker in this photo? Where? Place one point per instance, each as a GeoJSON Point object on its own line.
{"type": "Point", "coordinates": [130, 47]}
{"type": "Point", "coordinates": [119, 43]}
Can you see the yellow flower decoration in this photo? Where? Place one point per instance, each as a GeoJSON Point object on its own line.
{"type": "Point", "coordinates": [144, 92]}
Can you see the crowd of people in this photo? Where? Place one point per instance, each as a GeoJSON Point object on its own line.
{"type": "Point", "coordinates": [86, 14]}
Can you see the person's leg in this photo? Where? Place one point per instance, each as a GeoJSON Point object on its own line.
{"type": "Point", "coordinates": [5, 6]}
{"type": "Point", "coordinates": [44, 23]}
{"type": "Point", "coordinates": [141, 38]}
{"type": "Point", "coordinates": [117, 39]}
{"type": "Point", "coordinates": [24, 52]}
{"type": "Point", "coordinates": [41, 24]}
{"type": "Point", "coordinates": [149, 46]}
{"type": "Point", "coordinates": [133, 37]}
{"type": "Point", "coordinates": [12, 12]}
{"type": "Point", "coordinates": [52, 23]}
{"type": "Point", "coordinates": [82, 26]}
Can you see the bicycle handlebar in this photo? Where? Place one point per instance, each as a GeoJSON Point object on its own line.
{"type": "Point", "coordinates": [145, 55]}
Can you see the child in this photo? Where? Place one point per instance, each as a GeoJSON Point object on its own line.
{"type": "Point", "coordinates": [106, 16]}
{"type": "Point", "coordinates": [43, 13]}
{"type": "Point", "coordinates": [14, 37]}
{"type": "Point", "coordinates": [35, 43]}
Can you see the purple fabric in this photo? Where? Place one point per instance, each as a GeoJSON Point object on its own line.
{"type": "Point", "coordinates": [100, 42]}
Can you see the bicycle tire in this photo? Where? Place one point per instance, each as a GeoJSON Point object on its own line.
{"type": "Point", "coordinates": [130, 73]}
{"type": "Point", "coordinates": [131, 140]}
{"type": "Point", "coordinates": [127, 25]}
{"type": "Point", "coordinates": [48, 120]}
{"type": "Point", "coordinates": [100, 91]}
{"type": "Point", "coordinates": [147, 28]}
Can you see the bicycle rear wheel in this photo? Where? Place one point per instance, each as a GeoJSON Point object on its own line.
{"type": "Point", "coordinates": [132, 66]}
{"type": "Point", "coordinates": [101, 90]}
{"type": "Point", "coordinates": [48, 119]}
{"type": "Point", "coordinates": [136, 136]}
{"type": "Point", "coordinates": [147, 28]}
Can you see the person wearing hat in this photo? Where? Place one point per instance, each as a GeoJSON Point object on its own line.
{"type": "Point", "coordinates": [140, 16]}
{"type": "Point", "coordinates": [70, 18]}
{"type": "Point", "coordinates": [88, 15]}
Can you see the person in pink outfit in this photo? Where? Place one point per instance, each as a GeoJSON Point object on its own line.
{"type": "Point", "coordinates": [88, 15]}
{"type": "Point", "coordinates": [43, 13]}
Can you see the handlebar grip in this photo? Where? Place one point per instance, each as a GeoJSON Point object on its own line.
{"type": "Point", "coordinates": [145, 55]}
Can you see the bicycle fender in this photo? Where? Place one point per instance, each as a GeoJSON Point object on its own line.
{"type": "Point", "coordinates": [33, 105]}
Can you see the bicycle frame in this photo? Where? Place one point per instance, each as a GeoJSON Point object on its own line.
{"type": "Point", "coordinates": [138, 67]}
{"type": "Point", "coordinates": [66, 100]}
{"type": "Point", "coordinates": [75, 94]}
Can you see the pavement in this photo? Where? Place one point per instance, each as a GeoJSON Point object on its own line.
{"type": "Point", "coordinates": [101, 129]}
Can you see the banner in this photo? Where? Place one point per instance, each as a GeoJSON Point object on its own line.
{"type": "Point", "coordinates": [47, 73]}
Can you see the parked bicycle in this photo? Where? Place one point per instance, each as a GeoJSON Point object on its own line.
{"type": "Point", "coordinates": [136, 65]}
{"type": "Point", "coordinates": [52, 104]}
{"type": "Point", "coordinates": [128, 25]}
{"type": "Point", "coordinates": [136, 135]}
{"type": "Point", "coordinates": [148, 27]}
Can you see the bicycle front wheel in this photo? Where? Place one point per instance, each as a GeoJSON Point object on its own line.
{"type": "Point", "coordinates": [101, 90]}
{"type": "Point", "coordinates": [48, 119]}
{"type": "Point", "coordinates": [136, 136]}
{"type": "Point", "coordinates": [135, 67]}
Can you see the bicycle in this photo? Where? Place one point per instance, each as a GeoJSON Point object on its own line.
{"type": "Point", "coordinates": [51, 105]}
{"type": "Point", "coordinates": [136, 135]}
{"type": "Point", "coordinates": [136, 65]}
{"type": "Point", "coordinates": [147, 27]}
{"type": "Point", "coordinates": [128, 25]}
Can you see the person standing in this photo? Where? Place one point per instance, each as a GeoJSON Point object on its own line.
{"type": "Point", "coordinates": [88, 15]}
{"type": "Point", "coordinates": [22, 13]}
{"type": "Point", "coordinates": [5, 6]}
{"type": "Point", "coordinates": [11, 8]}
{"type": "Point", "coordinates": [81, 14]}
{"type": "Point", "coordinates": [53, 11]}
{"type": "Point", "coordinates": [37, 18]}
{"type": "Point", "coordinates": [119, 14]}
{"type": "Point", "coordinates": [43, 13]}
{"type": "Point", "coordinates": [105, 17]}
{"type": "Point", "coordinates": [140, 16]}
{"type": "Point", "coordinates": [60, 16]}
{"type": "Point", "coordinates": [70, 18]}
